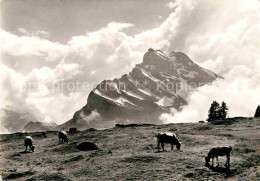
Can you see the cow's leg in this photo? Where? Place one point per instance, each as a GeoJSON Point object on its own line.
{"type": "Point", "coordinates": [26, 148]}
{"type": "Point", "coordinates": [212, 162]}
{"type": "Point", "coordinates": [162, 146]}
{"type": "Point", "coordinates": [158, 145]}
{"type": "Point", "coordinates": [217, 161]}
{"type": "Point", "coordinates": [171, 146]}
{"type": "Point", "coordinates": [228, 161]}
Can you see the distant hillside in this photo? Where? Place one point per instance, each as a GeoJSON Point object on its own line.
{"type": "Point", "coordinates": [12, 121]}
{"type": "Point", "coordinates": [39, 126]}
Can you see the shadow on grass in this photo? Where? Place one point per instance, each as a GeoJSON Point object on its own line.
{"type": "Point", "coordinates": [57, 176]}
{"type": "Point", "coordinates": [19, 174]}
{"type": "Point", "coordinates": [25, 152]}
{"type": "Point", "coordinates": [218, 169]}
{"type": "Point", "coordinates": [160, 151]}
{"type": "Point", "coordinates": [174, 150]}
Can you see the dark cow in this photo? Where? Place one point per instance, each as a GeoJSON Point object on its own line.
{"type": "Point", "coordinates": [218, 151]}
{"type": "Point", "coordinates": [73, 130]}
{"type": "Point", "coordinates": [167, 138]}
{"type": "Point", "coordinates": [28, 141]}
{"type": "Point", "coordinates": [63, 136]}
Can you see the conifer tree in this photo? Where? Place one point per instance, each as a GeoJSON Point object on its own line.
{"type": "Point", "coordinates": [223, 110]}
{"type": "Point", "coordinates": [257, 112]}
{"type": "Point", "coordinates": [213, 111]}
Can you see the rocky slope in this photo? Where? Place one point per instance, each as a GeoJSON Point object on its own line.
{"type": "Point", "coordinates": [161, 82]}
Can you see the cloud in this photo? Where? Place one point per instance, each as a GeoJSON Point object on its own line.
{"type": "Point", "coordinates": [11, 85]}
{"type": "Point", "coordinates": [53, 93]}
{"type": "Point", "coordinates": [172, 5]}
{"type": "Point", "coordinates": [3, 130]}
{"type": "Point", "coordinates": [101, 52]}
{"type": "Point", "coordinates": [42, 34]}
{"type": "Point", "coordinates": [226, 41]}
{"type": "Point", "coordinates": [33, 94]}
{"type": "Point", "coordinates": [31, 45]}
{"type": "Point", "coordinates": [241, 95]}
{"type": "Point", "coordinates": [39, 34]}
{"type": "Point", "coordinates": [23, 31]}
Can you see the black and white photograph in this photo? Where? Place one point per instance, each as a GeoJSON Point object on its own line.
{"type": "Point", "coordinates": [150, 90]}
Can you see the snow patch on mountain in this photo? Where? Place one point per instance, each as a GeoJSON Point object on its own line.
{"type": "Point", "coordinates": [165, 101]}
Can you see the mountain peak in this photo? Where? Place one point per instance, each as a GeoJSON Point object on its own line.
{"type": "Point", "coordinates": [156, 58]}
{"type": "Point", "coordinates": [172, 54]}
{"type": "Point", "coordinates": [149, 90]}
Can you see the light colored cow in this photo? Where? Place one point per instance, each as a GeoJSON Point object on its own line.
{"type": "Point", "coordinates": [167, 138]}
{"type": "Point", "coordinates": [63, 137]}
{"type": "Point", "coordinates": [28, 141]}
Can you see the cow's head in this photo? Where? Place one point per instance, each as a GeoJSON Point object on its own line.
{"type": "Point", "coordinates": [66, 139]}
{"type": "Point", "coordinates": [207, 160]}
{"type": "Point", "coordinates": [32, 148]}
{"type": "Point", "coordinates": [178, 145]}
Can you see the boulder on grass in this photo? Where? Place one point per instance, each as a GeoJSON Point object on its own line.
{"type": "Point", "coordinates": [86, 146]}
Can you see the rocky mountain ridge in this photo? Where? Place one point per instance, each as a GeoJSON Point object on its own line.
{"type": "Point", "coordinates": [160, 83]}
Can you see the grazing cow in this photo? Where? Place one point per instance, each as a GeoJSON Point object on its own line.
{"type": "Point", "coordinates": [218, 151]}
{"type": "Point", "coordinates": [28, 141]}
{"type": "Point", "coordinates": [167, 138]}
{"type": "Point", "coordinates": [72, 130]}
{"type": "Point", "coordinates": [63, 136]}
{"type": "Point", "coordinates": [44, 134]}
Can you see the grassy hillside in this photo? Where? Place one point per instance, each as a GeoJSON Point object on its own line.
{"type": "Point", "coordinates": [130, 154]}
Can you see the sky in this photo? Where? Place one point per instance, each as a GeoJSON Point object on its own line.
{"type": "Point", "coordinates": [54, 52]}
